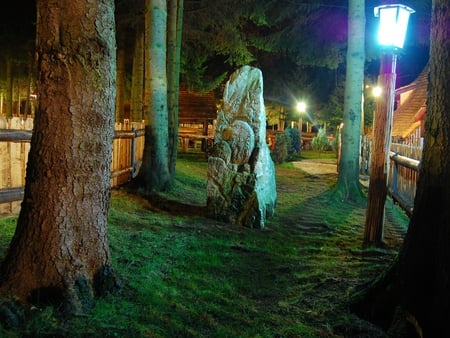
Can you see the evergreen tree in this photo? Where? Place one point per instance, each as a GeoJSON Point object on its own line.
{"type": "Point", "coordinates": [59, 253]}
{"type": "Point", "coordinates": [155, 173]}
{"type": "Point", "coordinates": [320, 142]}
{"type": "Point", "coordinates": [348, 186]}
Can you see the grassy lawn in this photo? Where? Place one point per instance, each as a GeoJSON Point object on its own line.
{"type": "Point", "coordinates": [184, 275]}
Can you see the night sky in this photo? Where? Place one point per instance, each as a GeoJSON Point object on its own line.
{"type": "Point", "coordinates": [17, 20]}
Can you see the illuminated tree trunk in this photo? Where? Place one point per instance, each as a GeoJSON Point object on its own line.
{"type": "Point", "coordinates": [59, 253]}
{"type": "Point", "coordinates": [382, 122]}
{"type": "Point", "coordinates": [137, 79]}
{"type": "Point", "coordinates": [348, 186]}
{"type": "Point", "coordinates": [175, 21]}
{"type": "Point", "coordinates": [414, 297]}
{"type": "Point", "coordinates": [155, 166]}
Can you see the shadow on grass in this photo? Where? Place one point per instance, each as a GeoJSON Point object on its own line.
{"type": "Point", "coordinates": [176, 208]}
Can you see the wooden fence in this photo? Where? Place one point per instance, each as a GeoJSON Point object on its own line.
{"type": "Point", "coordinates": [403, 171]}
{"type": "Point", "coordinates": [15, 136]}
{"type": "Point", "coordinates": [402, 181]}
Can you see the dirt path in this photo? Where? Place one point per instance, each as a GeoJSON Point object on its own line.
{"type": "Point", "coordinates": [317, 166]}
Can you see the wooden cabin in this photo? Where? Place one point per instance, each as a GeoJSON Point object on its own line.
{"type": "Point", "coordinates": [197, 113]}
{"type": "Point", "coordinates": [409, 117]}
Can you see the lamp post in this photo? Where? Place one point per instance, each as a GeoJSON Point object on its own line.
{"type": "Point", "coordinates": [301, 109]}
{"type": "Point", "coordinates": [392, 30]}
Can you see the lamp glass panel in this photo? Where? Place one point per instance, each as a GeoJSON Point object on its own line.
{"type": "Point", "coordinates": [393, 25]}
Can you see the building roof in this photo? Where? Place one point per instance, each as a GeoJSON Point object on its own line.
{"type": "Point", "coordinates": [411, 106]}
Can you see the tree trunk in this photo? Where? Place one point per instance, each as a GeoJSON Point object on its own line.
{"type": "Point", "coordinates": [425, 259]}
{"type": "Point", "coordinates": [59, 253]}
{"type": "Point", "coordinates": [382, 122]}
{"type": "Point", "coordinates": [155, 169]}
{"type": "Point", "coordinates": [175, 20]}
{"type": "Point", "coordinates": [120, 78]}
{"type": "Point", "coordinates": [348, 187]}
{"type": "Point", "coordinates": [418, 284]}
{"type": "Point", "coordinates": [9, 87]}
{"type": "Point", "coordinates": [137, 78]}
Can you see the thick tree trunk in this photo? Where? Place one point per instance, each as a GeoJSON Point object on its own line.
{"type": "Point", "coordinates": [425, 260]}
{"type": "Point", "coordinates": [59, 253]}
{"type": "Point", "coordinates": [155, 168]}
{"type": "Point", "coordinates": [416, 289]}
{"type": "Point", "coordinates": [348, 186]}
{"type": "Point", "coordinates": [137, 79]}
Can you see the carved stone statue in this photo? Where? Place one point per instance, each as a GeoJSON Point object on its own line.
{"type": "Point", "coordinates": [241, 186]}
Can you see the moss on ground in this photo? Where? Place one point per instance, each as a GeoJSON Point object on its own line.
{"type": "Point", "coordinates": [184, 275]}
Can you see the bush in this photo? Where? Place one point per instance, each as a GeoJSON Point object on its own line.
{"type": "Point", "coordinates": [294, 138]}
{"type": "Point", "coordinates": [280, 151]}
{"type": "Point", "coordinates": [320, 142]}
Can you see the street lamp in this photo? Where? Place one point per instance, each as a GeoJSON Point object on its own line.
{"type": "Point", "coordinates": [393, 24]}
{"type": "Point", "coordinates": [301, 109]}
{"type": "Point", "coordinates": [391, 34]}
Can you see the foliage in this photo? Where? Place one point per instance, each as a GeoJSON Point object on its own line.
{"type": "Point", "coordinates": [188, 276]}
{"type": "Point", "coordinates": [294, 137]}
{"type": "Point", "coordinates": [320, 142]}
{"type": "Point", "coordinates": [315, 155]}
{"type": "Point", "coordinates": [280, 151]}
{"type": "Point", "coordinates": [287, 145]}
{"type": "Point", "coordinates": [291, 42]}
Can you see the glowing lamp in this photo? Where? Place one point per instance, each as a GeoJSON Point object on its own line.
{"type": "Point", "coordinates": [301, 107]}
{"type": "Point", "coordinates": [393, 24]}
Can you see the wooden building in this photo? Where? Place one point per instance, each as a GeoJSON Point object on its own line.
{"type": "Point", "coordinates": [197, 113]}
{"type": "Point", "coordinates": [409, 117]}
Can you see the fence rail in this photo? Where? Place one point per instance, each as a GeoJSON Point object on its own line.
{"type": "Point", "coordinates": [128, 146]}
{"type": "Point", "coordinates": [403, 176]}
{"type": "Point", "coordinates": [403, 171]}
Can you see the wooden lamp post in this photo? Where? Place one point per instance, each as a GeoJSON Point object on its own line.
{"type": "Point", "coordinates": [392, 30]}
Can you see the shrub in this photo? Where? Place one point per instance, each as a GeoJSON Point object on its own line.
{"type": "Point", "coordinates": [320, 142]}
{"type": "Point", "coordinates": [294, 138]}
{"type": "Point", "coordinates": [280, 151]}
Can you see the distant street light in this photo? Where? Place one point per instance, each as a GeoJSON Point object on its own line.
{"type": "Point", "coordinates": [376, 92]}
{"type": "Point", "coordinates": [393, 24]}
{"type": "Point", "coordinates": [301, 109]}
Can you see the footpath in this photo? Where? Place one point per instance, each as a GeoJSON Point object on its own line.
{"type": "Point", "coordinates": [317, 166]}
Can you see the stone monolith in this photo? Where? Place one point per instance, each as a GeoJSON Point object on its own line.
{"type": "Point", "coordinates": [241, 186]}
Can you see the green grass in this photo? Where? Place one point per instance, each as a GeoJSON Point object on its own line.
{"type": "Point", "coordinates": [184, 275]}
{"type": "Point", "coordinates": [313, 154]}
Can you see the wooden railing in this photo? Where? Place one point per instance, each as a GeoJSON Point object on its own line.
{"type": "Point", "coordinates": [403, 171]}
{"type": "Point", "coordinates": [403, 176]}
{"type": "Point", "coordinates": [128, 147]}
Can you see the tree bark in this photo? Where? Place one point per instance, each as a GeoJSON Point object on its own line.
{"type": "Point", "coordinates": [137, 79]}
{"type": "Point", "coordinates": [374, 227]}
{"type": "Point", "coordinates": [175, 21]}
{"type": "Point", "coordinates": [348, 187]}
{"type": "Point", "coordinates": [425, 258]}
{"type": "Point", "coordinates": [59, 253]}
{"type": "Point", "coordinates": [120, 80]}
{"type": "Point", "coordinates": [155, 167]}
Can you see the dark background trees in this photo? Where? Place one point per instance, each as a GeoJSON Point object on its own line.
{"type": "Point", "coordinates": [17, 27]}
{"type": "Point", "coordinates": [300, 46]}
